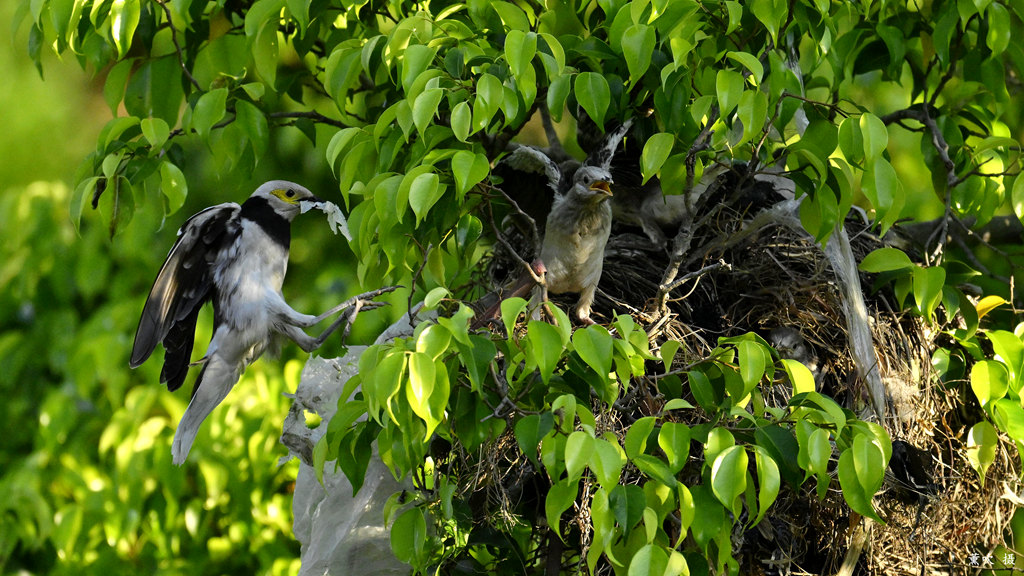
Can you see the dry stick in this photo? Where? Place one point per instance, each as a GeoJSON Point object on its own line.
{"type": "Point", "coordinates": [504, 241]}
{"type": "Point", "coordinates": [681, 243]}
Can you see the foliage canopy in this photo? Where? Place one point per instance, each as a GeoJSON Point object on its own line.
{"type": "Point", "coordinates": [879, 104]}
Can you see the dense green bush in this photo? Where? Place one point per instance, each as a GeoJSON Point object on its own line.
{"type": "Point", "coordinates": [880, 104]}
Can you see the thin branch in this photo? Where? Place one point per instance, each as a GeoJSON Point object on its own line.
{"type": "Point", "coordinates": [177, 46]}
{"type": "Point", "coordinates": [312, 114]}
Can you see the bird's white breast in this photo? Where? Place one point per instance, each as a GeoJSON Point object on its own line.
{"type": "Point", "coordinates": [249, 274]}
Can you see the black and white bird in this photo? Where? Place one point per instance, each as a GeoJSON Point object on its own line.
{"type": "Point", "coordinates": [235, 257]}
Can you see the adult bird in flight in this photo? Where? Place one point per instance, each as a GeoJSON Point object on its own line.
{"type": "Point", "coordinates": [235, 257]}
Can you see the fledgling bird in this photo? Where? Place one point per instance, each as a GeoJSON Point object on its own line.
{"type": "Point", "coordinates": [577, 222]}
{"type": "Point", "coordinates": [575, 235]}
{"type": "Point", "coordinates": [236, 257]}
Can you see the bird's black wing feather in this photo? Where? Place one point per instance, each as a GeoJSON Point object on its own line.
{"type": "Point", "coordinates": [181, 288]}
{"type": "Point", "coordinates": [530, 178]}
{"type": "Point", "coordinates": [606, 148]}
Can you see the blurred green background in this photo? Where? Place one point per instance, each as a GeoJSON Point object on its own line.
{"type": "Point", "coordinates": [85, 471]}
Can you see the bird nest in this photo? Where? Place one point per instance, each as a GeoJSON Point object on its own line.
{"type": "Point", "coordinates": [776, 281]}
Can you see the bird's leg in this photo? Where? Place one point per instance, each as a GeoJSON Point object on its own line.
{"type": "Point", "coordinates": [292, 324]}
{"type": "Point", "coordinates": [583, 305]}
{"type": "Point", "coordinates": [366, 296]}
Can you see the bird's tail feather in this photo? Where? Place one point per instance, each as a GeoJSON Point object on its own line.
{"type": "Point", "coordinates": [215, 381]}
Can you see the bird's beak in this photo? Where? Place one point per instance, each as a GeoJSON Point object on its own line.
{"type": "Point", "coordinates": [601, 186]}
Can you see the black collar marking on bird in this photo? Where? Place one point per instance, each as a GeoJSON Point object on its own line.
{"type": "Point", "coordinates": [276, 226]}
{"type": "Point", "coordinates": [240, 268]}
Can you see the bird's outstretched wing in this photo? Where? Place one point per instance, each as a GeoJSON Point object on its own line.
{"type": "Point", "coordinates": [605, 150]}
{"type": "Point", "coordinates": [183, 285]}
{"type": "Point", "coordinates": [531, 178]}
{"type": "Point", "coordinates": [534, 162]}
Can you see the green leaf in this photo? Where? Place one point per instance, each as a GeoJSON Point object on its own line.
{"type": "Point", "coordinates": [594, 345]}
{"type": "Point", "coordinates": [875, 136]}
{"type": "Point", "coordinates": [1009, 416]}
{"type": "Point", "coordinates": [656, 151]}
{"type": "Point", "coordinates": [415, 60]}
{"type": "Point", "coordinates": [677, 404]}
{"type": "Point", "coordinates": [752, 363]}
{"type": "Point", "coordinates": [545, 347]}
{"type": "Point", "coordinates": [254, 123]}
{"type": "Point", "coordinates": [752, 111]}
{"type": "Point", "coordinates": [173, 185]}
{"type": "Point", "coordinates": [653, 560]}
{"type": "Point", "coordinates": [469, 170]}
{"type": "Point", "coordinates": [703, 392]}
{"type": "Point", "coordinates": [434, 340]}
{"type": "Point", "coordinates": [886, 260]}
{"type": "Point", "coordinates": [800, 377]}
{"type": "Point", "coordinates": [210, 109]}
{"type": "Point", "coordinates": [462, 121]}
{"type": "Point", "coordinates": [781, 443]}
{"type": "Point", "coordinates": [668, 353]}
{"type": "Point", "coordinates": [265, 51]}
{"type": "Point", "coordinates": [982, 441]}
{"type": "Point", "coordinates": [771, 13]}
{"type": "Point", "coordinates": [560, 497]}
{"type": "Point", "coordinates": [883, 188]}
{"type": "Point", "coordinates": [520, 48]}
{"type": "Point", "coordinates": [768, 482]}
{"type": "Point", "coordinates": [627, 504]}
{"type": "Point", "coordinates": [530, 430]}
{"type": "Point", "coordinates": [851, 142]}
{"type": "Point", "coordinates": [638, 43]}
{"type": "Point", "coordinates": [674, 440]}
{"type": "Point", "coordinates": [300, 11]}
{"type": "Point", "coordinates": [425, 108]}
{"type": "Point", "coordinates": [579, 449]}
{"type": "Point", "coordinates": [750, 62]}
{"type": "Point", "coordinates": [558, 93]}
{"type": "Point", "coordinates": [156, 131]}
{"type": "Point", "coordinates": [114, 86]}
{"type": "Point", "coordinates": [594, 95]}
{"type": "Point", "coordinates": [124, 18]}
{"type": "Point", "coordinates": [409, 536]}
{"type": "Point", "coordinates": [608, 462]}
{"type": "Point", "coordinates": [729, 88]}
{"type": "Point", "coordinates": [1009, 349]}
{"type": "Point", "coordinates": [425, 388]}
{"type": "Point", "coordinates": [424, 191]}
{"type": "Point", "coordinates": [490, 94]}
{"type": "Point", "coordinates": [729, 477]}
{"type": "Point", "coordinates": [861, 471]}
{"type": "Point", "coordinates": [511, 15]}
{"type": "Point", "coordinates": [999, 19]}
{"type": "Point", "coordinates": [825, 407]}
{"type": "Point", "coordinates": [511, 308]}
{"type": "Point", "coordinates": [928, 283]}
{"type": "Point", "coordinates": [434, 297]}
{"type": "Point", "coordinates": [637, 435]}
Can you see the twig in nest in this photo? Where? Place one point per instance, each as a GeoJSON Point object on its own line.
{"type": "Point", "coordinates": [665, 289]}
{"type": "Point", "coordinates": [534, 233]}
